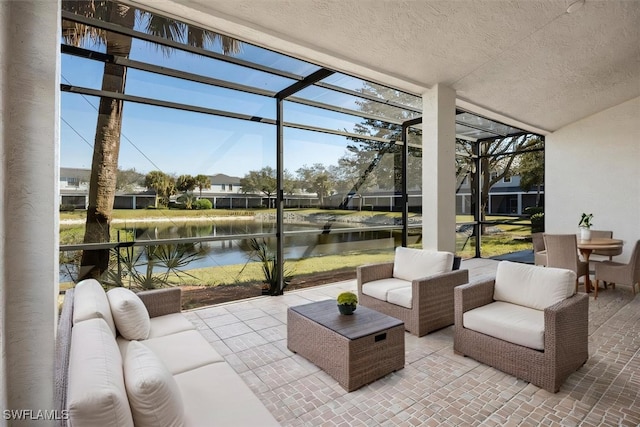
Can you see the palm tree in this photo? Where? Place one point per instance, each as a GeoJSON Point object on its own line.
{"type": "Point", "coordinates": [163, 184]}
{"type": "Point", "coordinates": [202, 182]}
{"type": "Point", "coordinates": [102, 183]}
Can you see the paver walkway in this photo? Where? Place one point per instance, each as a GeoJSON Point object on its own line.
{"type": "Point", "coordinates": [436, 387]}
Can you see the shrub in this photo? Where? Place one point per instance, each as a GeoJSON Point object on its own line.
{"type": "Point", "coordinates": [203, 204]}
{"type": "Point", "coordinates": [67, 208]}
{"type": "Point", "coordinates": [532, 210]}
{"type": "Point", "coordinates": [537, 222]}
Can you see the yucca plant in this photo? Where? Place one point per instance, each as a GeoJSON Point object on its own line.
{"type": "Point", "coordinates": [135, 269]}
{"type": "Point", "coordinates": [263, 254]}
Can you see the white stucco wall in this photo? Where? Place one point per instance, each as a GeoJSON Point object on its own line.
{"type": "Point", "coordinates": [29, 156]}
{"type": "Point", "coordinates": [593, 166]}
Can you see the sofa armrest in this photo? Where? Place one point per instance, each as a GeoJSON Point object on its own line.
{"type": "Point", "coordinates": [162, 301]}
{"type": "Point", "coordinates": [370, 272]}
{"type": "Point", "coordinates": [63, 347]}
{"type": "Point", "coordinates": [566, 325]}
{"type": "Point", "coordinates": [442, 283]}
{"type": "Point", "coordinates": [472, 295]}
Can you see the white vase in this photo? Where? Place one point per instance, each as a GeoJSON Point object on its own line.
{"type": "Point", "coordinates": [585, 233]}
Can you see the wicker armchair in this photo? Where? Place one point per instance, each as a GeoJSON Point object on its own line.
{"type": "Point", "coordinates": [539, 251]}
{"type": "Point", "coordinates": [430, 297]}
{"type": "Point", "coordinates": [562, 252]}
{"type": "Point", "coordinates": [616, 272]}
{"type": "Point", "coordinates": [564, 337]}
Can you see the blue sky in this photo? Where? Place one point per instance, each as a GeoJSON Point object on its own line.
{"type": "Point", "coordinates": [178, 142]}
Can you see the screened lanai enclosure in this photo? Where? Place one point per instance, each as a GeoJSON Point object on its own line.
{"type": "Point", "coordinates": [228, 161]}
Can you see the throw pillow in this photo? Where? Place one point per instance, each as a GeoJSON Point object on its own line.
{"type": "Point", "coordinates": [129, 314]}
{"type": "Point", "coordinates": [153, 394]}
{"type": "Point", "coordinates": [90, 302]}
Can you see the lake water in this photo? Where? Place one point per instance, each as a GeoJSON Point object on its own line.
{"type": "Point", "coordinates": [236, 251]}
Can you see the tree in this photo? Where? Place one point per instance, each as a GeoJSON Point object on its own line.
{"type": "Point", "coordinates": [531, 171]}
{"type": "Point", "coordinates": [498, 159]}
{"type": "Point", "coordinates": [373, 163]}
{"type": "Point", "coordinates": [290, 183]}
{"type": "Point", "coordinates": [202, 182]}
{"type": "Point", "coordinates": [185, 183]}
{"type": "Point", "coordinates": [163, 184]}
{"type": "Point", "coordinates": [316, 179]}
{"type": "Point", "coordinates": [262, 181]}
{"type": "Point", "coordinates": [188, 198]}
{"type": "Point", "coordinates": [128, 179]}
{"type": "Point", "coordinates": [106, 148]}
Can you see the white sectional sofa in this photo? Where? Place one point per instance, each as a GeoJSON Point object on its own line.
{"type": "Point", "coordinates": [126, 359]}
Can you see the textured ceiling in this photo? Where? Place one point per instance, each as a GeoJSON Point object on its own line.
{"type": "Point", "coordinates": [527, 60]}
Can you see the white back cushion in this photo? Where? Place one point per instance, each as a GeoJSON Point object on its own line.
{"type": "Point", "coordinates": [153, 393]}
{"type": "Point", "coordinates": [411, 264]}
{"type": "Point", "coordinates": [532, 286]}
{"type": "Point", "coordinates": [90, 302]}
{"type": "Point", "coordinates": [129, 314]}
{"type": "Point", "coordinates": [96, 395]}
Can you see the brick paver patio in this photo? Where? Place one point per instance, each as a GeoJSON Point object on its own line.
{"type": "Point", "coordinates": [436, 387]}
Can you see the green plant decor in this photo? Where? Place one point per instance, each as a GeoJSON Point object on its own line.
{"type": "Point", "coordinates": [347, 302]}
{"type": "Point", "coordinates": [263, 254]}
{"type": "Point", "coordinates": [347, 298]}
{"type": "Point", "coordinates": [585, 220]}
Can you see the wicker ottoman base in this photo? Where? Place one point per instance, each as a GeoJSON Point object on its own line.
{"type": "Point", "coordinates": [355, 350]}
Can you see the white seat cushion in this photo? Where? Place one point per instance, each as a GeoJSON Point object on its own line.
{"type": "Point", "coordinates": [153, 393]}
{"type": "Point", "coordinates": [169, 324]}
{"type": "Point", "coordinates": [400, 296]}
{"type": "Point", "coordinates": [129, 314]}
{"type": "Point", "coordinates": [96, 395]}
{"type": "Point", "coordinates": [411, 264]}
{"type": "Point", "coordinates": [179, 352]}
{"type": "Point", "coordinates": [235, 403]}
{"type": "Point", "coordinates": [90, 302]}
{"type": "Point", "coordinates": [509, 322]}
{"type": "Point", "coordinates": [531, 286]}
{"type": "Point", "coordinates": [379, 288]}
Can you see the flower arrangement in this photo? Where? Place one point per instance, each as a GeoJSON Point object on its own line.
{"type": "Point", "coordinates": [585, 220]}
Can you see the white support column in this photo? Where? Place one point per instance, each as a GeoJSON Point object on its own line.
{"type": "Point", "coordinates": [29, 218]}
{"type": "Point", "coordinates": [438, 169]}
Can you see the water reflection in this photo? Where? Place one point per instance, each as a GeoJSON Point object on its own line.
{"type": "Point", "coordinates": [235, 250]}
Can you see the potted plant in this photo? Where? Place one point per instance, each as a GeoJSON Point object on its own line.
{"type": "Point", "coordinates": [347, 302]}
{"type": "Point", "coordinates": [585, 226]}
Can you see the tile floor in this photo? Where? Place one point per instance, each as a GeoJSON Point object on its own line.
{"type": "Point", "coordinates": [435, 387]}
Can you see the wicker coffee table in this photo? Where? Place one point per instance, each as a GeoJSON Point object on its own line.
{"type": "Point", "coordinates": [355, 350]}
